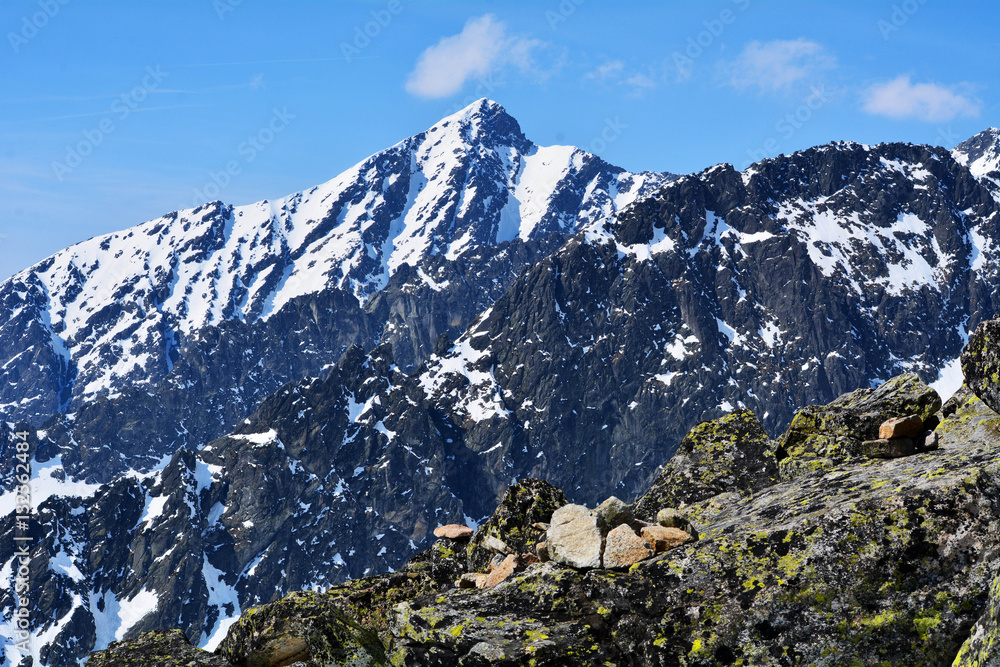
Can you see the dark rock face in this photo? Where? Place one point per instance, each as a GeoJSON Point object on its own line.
{"type": "Point", "coordinates": [729, 454]}
{"type": "Point", "coordinates": [782, 286]}
{"type": "Point", "coordinates": [981, 362]}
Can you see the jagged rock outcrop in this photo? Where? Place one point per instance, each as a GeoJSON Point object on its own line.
{"type": "Point", "coordinates": [768, 289]}
{"type": "Point", "coordinates": [729, 454]}
{"type": "Point", "coordinates": [525, 504]}
{"type": "Point", "coordinates": [981, 362]}
{"type": "Point", "coordinates": [163, 648]}
{"type": "Point", "coordinates": [305, 627]}
{"type": "Point", "coordinates": [821, 435]}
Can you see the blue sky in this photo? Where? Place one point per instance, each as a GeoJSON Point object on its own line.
{"type": "Point", "coordinates": [112, 113]}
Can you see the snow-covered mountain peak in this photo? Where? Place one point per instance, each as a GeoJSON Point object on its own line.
{"type": "Point", "coordinates": [115, 307]}
{"type": "Point", "coordinates": [483, 121]}
{"type": "Point", "coordinates": [981, 153]}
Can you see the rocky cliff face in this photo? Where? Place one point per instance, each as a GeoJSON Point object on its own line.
{"type": "Point", "coordinates": [869, 561]}
{"type": "Point", "coordinates": [791, 283]}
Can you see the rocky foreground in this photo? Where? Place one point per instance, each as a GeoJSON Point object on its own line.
{"type": "Point", "coordinates": [868, 534]}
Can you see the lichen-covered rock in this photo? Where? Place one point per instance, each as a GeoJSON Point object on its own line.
{"type": "Point", "coordinates": [305, 627]}
{"type": "Point", "coordinates": [732, 453]}
{"type": "Point", "coordinates": [670, 517]}
{"type": "Point", "coordinates": [155, 649]}
{"type": "Point", "coordinates": [613, 513]}
{"type": "Point", "coordinates": [525, 503]}
{"type": "Point", "coordinates": [982, 648]}
{"type": "Point", "coordinates": [503, 571]}
{"type": "Point", "coordinates": [882, 562]}
{"type": "Point", "coordinates": [823, 435]}
{"type": "Point", "coordinates": [910, 426]}
{"type": "Point", "coordinates": [663, 538]}
{"type": "Point", "coordinates": [887, 449]}
{"type": "Point", "coordinates": [981, 363]}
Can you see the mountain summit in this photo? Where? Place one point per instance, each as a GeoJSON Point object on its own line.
{"type": "Point", "coordinates": [981, 153]}
{"type": "Point", "coordinates": [128, 308]}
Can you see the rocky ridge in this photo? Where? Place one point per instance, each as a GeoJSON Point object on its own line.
{"type": "Point", "coordinates": [862, 561]}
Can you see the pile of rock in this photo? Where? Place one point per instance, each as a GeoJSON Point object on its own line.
{"type": "Point", "coordinates": [610, 536]}
{"type": "Point", "coordinates": [901, 436]}
{"type": "Point", "coordinates": [505, 561]}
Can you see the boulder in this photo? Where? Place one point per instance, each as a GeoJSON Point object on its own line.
{"type": "Point", "coordinates": [732, 453]}
{"type": "Point", "coordinates": [669, 517]}
{"type": "Point", "coordinates": [883, 448]}
{"type": "Point", "coordinates": [577, 542]}
{"type": "Point", "coordinates": [305, 627]}
{"type": "Point", "coordinates": [502, 572]}
{"type": "Point", "coordinates": [613, 513]}
{"type": "Point", "coordinates": [930, 443]}
{"type": "Point", "coordinates": [821, 436]}
{"type": "Point", "coordinates": [624, 548]}
{"type": "Point", "coordinates": [568, 513]}
{"type": "Point", "coordinates": [453, 531]}
{"type": "Point", "coordinates": [525, 504]}
{"type": "Point", "coordinates": [495, 544]}
{"type": "Point", "coordinates": [981, 363]}
{"type": "Point", "coordinates": [910, 426]}
{"type": "Point", "coordinates": [663, 538]}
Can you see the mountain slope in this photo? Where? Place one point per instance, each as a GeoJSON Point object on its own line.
{"type": "Point", "coordinates": [790, 283]}
{"type": "Point", "coordinates": [193, 318]}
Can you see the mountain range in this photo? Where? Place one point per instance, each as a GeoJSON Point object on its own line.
{"type": "Point", "coordinates": [231, 403]}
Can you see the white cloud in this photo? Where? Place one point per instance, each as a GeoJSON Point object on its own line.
{"type": "Point", "coordinates": [614, 72]}
{"type": "Point", "coordinates": [640, 81]}
{"type": "Point", "coordinates": [772, 66]}
{"type": "Point", "coordinates": [609, 70]}
{"type": "Point", "coordinates": [929, 102]}
{"type": "Point", "coordinates": [482, 47]}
